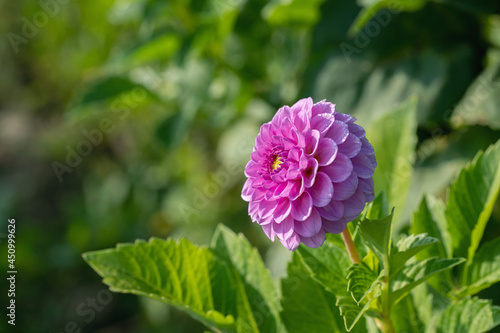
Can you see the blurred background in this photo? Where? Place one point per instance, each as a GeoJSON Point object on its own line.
{"type": "Point", "coordinates": [125, 119]}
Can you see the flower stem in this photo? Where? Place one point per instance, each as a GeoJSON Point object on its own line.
{"type": "Point", "coordinates": [351, 248]}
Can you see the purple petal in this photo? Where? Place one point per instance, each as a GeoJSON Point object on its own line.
{"type": "Point", "coordinates": [339, 169]}
{"type": "Point", "coordinates": [351, 146]}
{"type": "Point", "coordinates": [322, 122]}
{"type": "Point", "coordinates": [366, 185]}
{"type": "Point", "coordinates": [282, 210]}
{"type": "Point", "coordinates": [314, 241]}
{"type": "Point", "coordinates": [338, 131]}
{"type": "Point", "coordinates": [333, 211]}
{"type": "Point", "coordinates": [312, 139]}
{"type": "Point", "coordinates": [310, 226]}
{"type": "Point", "coordinates": [354, 205]}
{"type": "Point", "coordinates": [309, 172]}
{"type": "Point", "coordinates": [326, 152]}
{"type": "Point", "coordinates": [356, 130]}
{"type": "Point", "coordinates": [322, 190]}
{"type": "Point", "coordinates": [302, 207]}
{"type": "Point", "coordinates": [345, 189]}
{"type": "Point", "coordinates": [334, 227]}
{"type": "Point", "coordinates": [366, 147]}
{"type": "Point", "coordinates": [292, 242]}
{"type": "Point", "coordinates": [344, 117]}
{"type": "Point", "coordinates": [363, 166]}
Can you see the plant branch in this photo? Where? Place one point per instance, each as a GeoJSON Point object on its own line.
{"type": "Point", "coordinates": [351, 248]}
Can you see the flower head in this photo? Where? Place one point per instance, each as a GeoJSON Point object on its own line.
{"type": "Point", "coordinates": [310, 173]}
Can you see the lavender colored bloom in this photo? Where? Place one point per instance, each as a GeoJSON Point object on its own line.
{"type": "Point", "coordinates": [310, 173]}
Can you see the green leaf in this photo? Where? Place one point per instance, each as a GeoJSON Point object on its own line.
{"type": "Point", "coordinates": [328, 264]}
{"type": "Point", "coordinates": [378, 208]}
{"type": "Point", "coordinates": [293, 13]}
{"type": "Point", "coordinates": [373, 6]}
{"type": "Point", "coordinates": [484, 269]}
{"type": "Point", "coordinates": [417, 272]}
{"type": "Point", "coordinates": [237, 253]}
{"type": "Point", "coordinates": [377, 234]}
{"type": "Point", "coordinates": [471, 201]}
{"type": "Point", "coordinates": [351, 311]}
{"type": "Point", "coordinates": [471, 315]}
{"type": "Point", "coordinates": [227, 288]}
{"type": "Point", "coordinates": [360, 282]}
{"type": "Point", "coordinates": [307, 305]}
{"type": "Point", "coordinates": [430, 218]}
{"type": "Point", "coordinates": [178, 273]}
{"type": "Point", "coordinates": [405, 317]}
{"type": "Point", "coordinates": [393, 137]}
{"type": "Point", "coordinates": [409, 247]}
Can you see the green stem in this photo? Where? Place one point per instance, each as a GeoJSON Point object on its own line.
{"type": "Point", "coordinates": [351, 248]}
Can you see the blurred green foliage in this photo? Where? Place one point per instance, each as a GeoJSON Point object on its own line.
{"type": "Point", "coordinates": [128, 119]}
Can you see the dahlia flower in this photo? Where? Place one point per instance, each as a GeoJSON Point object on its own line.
{"type": "Point", "coordinates": [310, 173]}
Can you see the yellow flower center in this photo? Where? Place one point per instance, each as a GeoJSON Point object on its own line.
{"type": "Point", "coordinates": [276, 163]}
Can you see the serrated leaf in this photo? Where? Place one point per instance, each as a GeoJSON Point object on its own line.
{"type": "Point", "coordinates": [430, 218]}
{"type": "Point", "coordinates": [394, 138]}
{"type": "Point", "coordinates": [408, 247]}
{"type": "Point", "coordinates": [178, 273]}
{"type": "Point", "coordinates": [405, 317]}
{"type": "Point", "coordinates": [353, 312]}
{"type": "Point", "coordinates": [417, 272]}
{"type": "Point", "coordinates": [377, 234]}
{"type": "Point", "coordinates": [360, 282]}
{"type": "Point", "coordinates": [306, 305]}
{"type": "Point", "coordinates": [484, 269]}
{"type": "Point", "coordinates": [328, 263]}
{"type": "Point", "coordinates": [237, 252]}
{"type": "Point", "coordinates": [471, 201]}
{"type": "Point", "coordinates": [471, 315]}
{"type": "Point", "coordinates": [227, 288]}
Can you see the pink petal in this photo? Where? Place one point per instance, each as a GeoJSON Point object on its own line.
{"type": "Point", "coordinates": [269, 231]}
{"type": "Point", "coordinates": [322, 107]}
{"type": "Point", "coordinates": [292, 242]}
{"type": "Point", "coordinates": [246, 192]}
{"type": "Point", "coordinates": [252, 169]}
{"type": "Point", "coordinates": [310, 226]}
{"type": "Point", "coordinates": [322, 122]}
{"type": "Point", "coordinates": [339, 169]}
{"type": "Point", "coordinates": [351, 146]}
{"type": "Point", "coordinates": [326, 151]}
{"type": "Point", "coordinates": [312, 139]}
{"type": "Point", "coordinates": [345, 189]}
{"type": "Point", "coordinates": [322, 190]}
{"type": "Point", "coordinates": [309, 172]}
{"type": "Point", "coordinates": [314, 241]}
{"type": "Point", "coordinates": [334, 227]}
{"type": "Point", "coordinates": [266, 208]}
{"type": "Point", "coordinates": [302, 207]}
{"type": "Point", "coordinates": [293, 189]}
{"type": "Point", "coordinates": [333, 211]}
{"type": "Point", "coordinates": [282, 210]}
{"type": "Point", "coordinates": [284, 229]}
